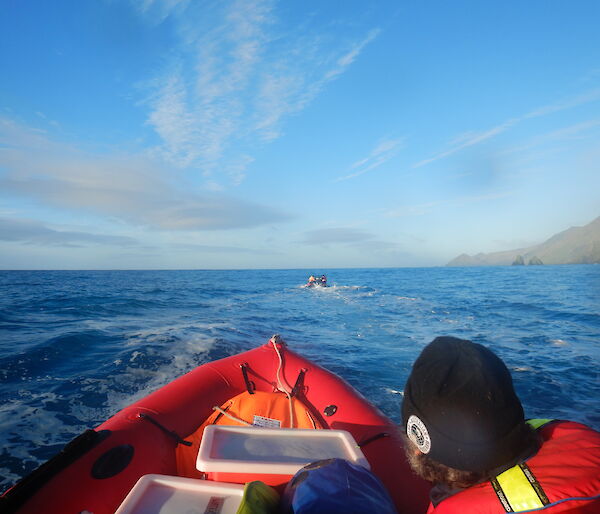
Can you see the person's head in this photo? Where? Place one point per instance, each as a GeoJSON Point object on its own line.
{"type": "Point", "coordinates": [463, 420]}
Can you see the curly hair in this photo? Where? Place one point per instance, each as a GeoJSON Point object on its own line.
{"type": "Point", "coordinates": [439, 473]}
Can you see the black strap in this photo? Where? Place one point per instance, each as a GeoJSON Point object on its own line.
{"type": "Point", "coordinates": [170, 433]}
{"type": "Point", "coordinates": [299, 385]}
{"type": "Point", "coordinates": [368, 440]}
{"type": "Point", "coordinates": [250, 386]}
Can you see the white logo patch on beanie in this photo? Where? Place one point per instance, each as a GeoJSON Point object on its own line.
{"type": "Point", "coordinates": [418, 434]}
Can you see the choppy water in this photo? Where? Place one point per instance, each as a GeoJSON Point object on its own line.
{"type": "Point", "coordinates": [75, 347]}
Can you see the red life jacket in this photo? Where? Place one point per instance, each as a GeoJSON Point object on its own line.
{"type": "Point", "coordinates": [563, 476]}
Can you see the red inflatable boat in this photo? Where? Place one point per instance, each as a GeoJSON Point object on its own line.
{"type": "Point", "coordinates": [270, 386]}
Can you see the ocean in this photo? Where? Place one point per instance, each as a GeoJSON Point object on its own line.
{"type": "Point", "coordinates": [77, 346]}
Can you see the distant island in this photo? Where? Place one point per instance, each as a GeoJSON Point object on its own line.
{"type": "Point", "coordinates": [576, 245]}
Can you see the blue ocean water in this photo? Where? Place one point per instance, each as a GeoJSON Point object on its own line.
{"type": "Point", "coordinates": [77, 346]}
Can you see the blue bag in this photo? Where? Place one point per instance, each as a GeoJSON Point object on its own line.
{"type": "Point", "coordinates": [336, 486]}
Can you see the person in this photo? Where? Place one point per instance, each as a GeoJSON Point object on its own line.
{"type": "Point", "coordinates": [323, 280]}
{"type": "Point", "coordinates": [467, 434]}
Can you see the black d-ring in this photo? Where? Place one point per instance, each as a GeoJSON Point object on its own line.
{"type": "Point", "coordinates": [330, 410]}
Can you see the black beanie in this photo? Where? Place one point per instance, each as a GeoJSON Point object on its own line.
{"type": "Point", "coordinates": [460, 407]}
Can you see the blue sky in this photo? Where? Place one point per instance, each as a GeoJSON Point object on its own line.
{"type": "Point", "coordinates": [263, 134]}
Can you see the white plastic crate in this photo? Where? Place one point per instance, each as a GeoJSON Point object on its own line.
{"type": "Point", "coordinates": [283, 451]}
{"type": "Point", "coordinates": [163, 494]}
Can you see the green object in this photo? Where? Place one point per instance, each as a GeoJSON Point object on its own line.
{"type": "Point", "coordinates": [537, 423]}
{"type": "Point", "coordinates": [259, 498]}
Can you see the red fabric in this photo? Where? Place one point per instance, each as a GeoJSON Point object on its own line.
{"type": "Point", "coordinates": [567, 466]}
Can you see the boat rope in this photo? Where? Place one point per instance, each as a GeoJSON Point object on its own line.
{"type": "Point", "coordinates": [231, 416]}
{"type": "Point", "coordinates": [170, 433]}
{"type": "Point", "coordinates": [314, 424]}
{"type": "Point", "coordinates": [275, 341]}
{"type": "Point", "coordinates": [216, 421]}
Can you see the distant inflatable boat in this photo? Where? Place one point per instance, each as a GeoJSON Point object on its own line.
{"type": "Point", "coordinates": [161, 439]}
{"type": "Point", "coordinates": [314, 281]}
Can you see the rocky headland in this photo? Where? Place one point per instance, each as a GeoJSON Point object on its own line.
{"type": "Point", "coordinates": [576, 245]}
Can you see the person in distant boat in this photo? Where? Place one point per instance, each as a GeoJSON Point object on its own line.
{"type": "Point", "coordinates": [323, 280]}
{"type": "Point", "coordinates": [311, 280]}
{"type": "Point", "coordinates": [467, 434]}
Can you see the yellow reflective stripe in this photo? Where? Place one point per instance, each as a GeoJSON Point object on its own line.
{"type": "Point", "coordinates": [518, 490]}
{"type": "Point", "coordinates": [537, 423]}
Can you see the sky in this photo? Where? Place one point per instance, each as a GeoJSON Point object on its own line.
{"type": "Point", "coordinates": [190, 134]}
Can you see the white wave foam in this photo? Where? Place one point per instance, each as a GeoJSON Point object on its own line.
{"type": "Point", "coordinates": [186, 356]}
{"type": "Point", "coordinates": [30, 420]}
{"type": "Point", "coordinates": [168, 333]}
{"type": "Point", "coordinates": [394, 391]}
{"type": "Point", "coordinates": [27, 430]}
{"type": "Point", "coordinates": [134, 356]}
{"type": "Point", "coordinates": [558, 342]}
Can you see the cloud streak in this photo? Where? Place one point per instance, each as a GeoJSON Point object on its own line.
{"type": "Point", "coordinates": [564, 134]}
{"type": "Point", "coordinates": [471, 139]}
{"type": "Point", "coordinates": [350, 239]}
{"type": "Point", "coordinates": [157, 11]}
{"type": "Point", "coordinates": [335, 236]}
{"type": "Point", "coordinates": [382, 153]}
{"type": "Point", "coordinates": [34, 232]}
{"type": "Point", "coordinates": [194, 248]}
{"type": "Point", "coordinates": [461, 201]}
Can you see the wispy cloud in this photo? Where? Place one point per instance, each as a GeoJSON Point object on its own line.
{"type": "Point", "coordinates": [465, 200]}
{"type": "Point", "coordinates": [232, 84]}
{"type": "Point", "coordinates": [585, 98]}
{"type": "Point", "coordinates": [133, 189]}
{"type": "Point", "coordinates": [156, 11]}
{"type": "Point", "coordinates": [412, 210]}
{"type": "Point", "coordinates": [343, 235]}
{"type": "Point", "coordinates": [174, 123]}
{"type": "Point", "coordinates": [295, 83]}
{"type": "Point", "coordinates": [461, 201]}
{"type": "Point", "coordinates": [382, 153]}
{"type": "Point", "coordinates": [351, 239]}
{"type": "Point", "coordinates": [347, 59]}
{"type": "Point", "coordinates": [471, 139]}
{"type": "Point", "coordinates": [34, 232]}
{"type": "Point", "coordinates": [190, 247]}
{"type": "Point", "coordinates": [571, 132]}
